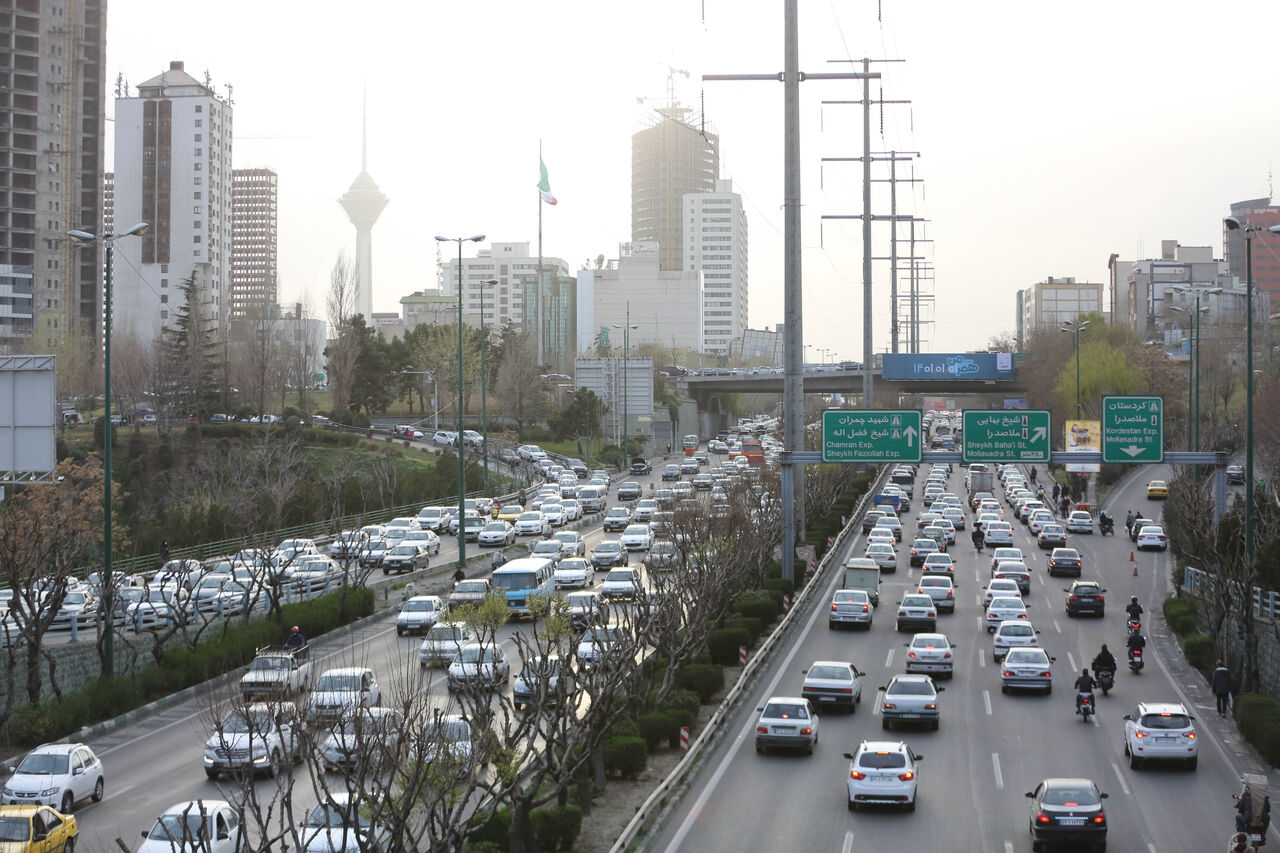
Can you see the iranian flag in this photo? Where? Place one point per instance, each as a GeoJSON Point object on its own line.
{"type": "Point", "coordinates": [544, 185]}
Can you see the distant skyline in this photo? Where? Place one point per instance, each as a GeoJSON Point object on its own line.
{"type": "Point", "coordinates": [1049, 139]}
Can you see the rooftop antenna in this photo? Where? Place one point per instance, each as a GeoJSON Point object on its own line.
{"type": "Point", "coordinates": [364, 128]}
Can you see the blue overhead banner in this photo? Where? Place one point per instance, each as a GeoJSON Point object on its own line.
{"type": "Point", "coordinates": [976, 366]}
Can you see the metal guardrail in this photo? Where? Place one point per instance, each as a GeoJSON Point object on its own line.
{"type": "Point", "coordinates": [657, 799]}
{"type": "Point", "coordinates": [1266, 603]}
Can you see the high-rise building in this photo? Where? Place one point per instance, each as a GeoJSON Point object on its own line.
{"type": "Point", "coordinates": [1266, 247]}
{"type": "Point", "coordinates": [363, 203]}
{"type": "Point", "coordinates": [664, 306]}
{"type": "Point", "coordinates": [1055, 301]}
{"type": "Point", "coordinates": [52, 93]}
{"type": "Point", "coordinates": [253, 241]}
{"type": "Point", "coordinates": [715, 244]}
{"type": "Point", "coordinates": [559, 316]}
{"type": "Point", "coordinates": [173, 171]}
{"type": "Point", "coordinates": [508, 264]}
{"type": "Point", "coordinates": [669, 160]}
{"type": "Point", "coordinates": [109, 203]}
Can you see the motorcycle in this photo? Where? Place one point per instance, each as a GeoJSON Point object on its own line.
{"type": "Point", "coordinates": [1084, 705]}
{"type": "Point", "coordinates": [1106, 525]}
{"type": "Point", "coordinates": [1135, 660]}
{"type": "Point", "coordinates": [1258, 820]}
{"type": "Point", "coordinates": [1135, 626]}
{"type": "Point", "coordinates": [1106, 679]}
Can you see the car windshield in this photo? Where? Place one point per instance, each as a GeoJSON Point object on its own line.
{"type": "Point", "coordinates": [420, 604]}
{"type": "Point", "coordinates": [620, 576]}
{"type": "Point", "coordinates": [269, 663]}
{"type": "Point", "coordinates": [607, 547]}
{"type": "Point", "coordinates": [581, 602]}
{"type": "Point", "coordinates": [179, 827]}
{"type": "Point", "coordinates": [496, 526]}
{"type": "Point", "coordinates": [531, 516]}
{"type": "Point", "coordinates": [470, 586]}
{"type": "Point", "coordinates": [515, 580]}
{"type": "Point", "coordinates": [14, 828]}
{"type": "Point", "coordinates": [401, 551]}
{"type": "Point", "coordinates": [786, 711]}
{"type": "Point", "coordinates": [547, 546]}
{"type": "Point", "coordinates": [1069, 796]}
{"type": "Point", "coordinates": [617, 512]}
{"type": "Point", "coordinates": [44, 764]}
{"type": "Point", "coordinates": [1165, 721]}
{"type": "Point", "coordinates": [445, 632]}
{"type": "Point", "coordinates": [338, 683]}
{"type": "Point", "coordinates": [1026, 656]}
{"type": "Point", "coordinates": [838, 673]}
{"type": "Point", "coordinates": [882, 760]}
{"type": "Point", "coordinates": [574, 564]}
{"type": "Point", "coordinates": [911, 688]}
{"type": "Point", "coordinates": [1006, 603]}
{"type": "Point", "coordinates": [850, 595]}
{"type": "Point", "coordinates": [475, 654]}
{"type": "Point", "coordinates": [240, 723]}
{"type": "Point", "coordinates": [331, 816]}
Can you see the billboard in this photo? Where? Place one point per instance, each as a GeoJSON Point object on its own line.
{"type": "Point", "coordinates": [1083, 435]}
{"type": "Point", "coordinates": [975, 366]}
{"type": "Point", "coordinates": [27, 418]}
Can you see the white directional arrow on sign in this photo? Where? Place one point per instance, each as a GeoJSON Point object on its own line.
{"type": "Point", "coordinates": [1132, 450]}
{"type": "Point", "coordinates": [910, 433]}
{"type": "Point", "coordinates": [1038, 434]}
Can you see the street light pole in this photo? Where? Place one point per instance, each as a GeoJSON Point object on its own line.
{"type": "Point", "coordinates": [1234, 224]}
{"type": "Point", "coordinates": [484, 407]}
{"type": "Point", "coordinates": [459, 443]}
{"type": "Point", "coordinates": [108, 594]}
{"type": "Point", "coordinates": [1074, 329]}
{"type": "Point", "coordinates": [1194, 366]}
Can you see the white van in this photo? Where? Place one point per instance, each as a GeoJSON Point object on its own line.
{"type": "Point", "coordinates": [592, 498]}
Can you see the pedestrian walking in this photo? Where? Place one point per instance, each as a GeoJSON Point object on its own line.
{"type": "Point", "coordinates": [1033, 474]}
{"type": "Point", "coordinates": [1065, 506]}
{"type": "Point", "coordinates": [1056, 491]}
{"type": "Point", "coordinates": [1221, 685]}
{"type": "Point", "coordinates": [1128, 523]}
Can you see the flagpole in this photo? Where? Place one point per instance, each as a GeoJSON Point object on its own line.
{"type": "Point", "coordinates": [539, 285]}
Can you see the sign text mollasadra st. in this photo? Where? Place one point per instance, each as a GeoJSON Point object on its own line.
{"type": "Point", "coordinates": [999, 436]}
{"type": "Point", "coordinates": [877, 435]}
{"type": "Point", "coordinates": [1133, 428]}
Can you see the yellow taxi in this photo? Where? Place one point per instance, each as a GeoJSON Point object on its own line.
{"type": "Point", "coordinates": [510, 512]}
{"type": "Point", "coordinates": [36, 829]}
{"type": "Point", "coordinates": [1157, 489]}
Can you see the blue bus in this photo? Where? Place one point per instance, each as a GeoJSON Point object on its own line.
{"type": "Point", "coordinates": [519, 579]}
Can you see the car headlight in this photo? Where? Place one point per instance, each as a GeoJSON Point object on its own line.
{"type": "Point", "coordinates": [8, 792]}
{"type": "Point", "coordinates": [48, 792]}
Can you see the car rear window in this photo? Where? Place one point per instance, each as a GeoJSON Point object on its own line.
{"type": "Point", "coordinates": [1074, 796]}
{"type": "Point", "coordinates": [830, 672]}
{"type": "Point", "coordinates": [911, 688]}
{"type": "Point", "coordinates": [1018, 630]}
{"type": "Point", "coordinates": [786, 711]}
{"type": "Point", "coordinates": [1165, 721]}
{"type": "Point", "coordinates": [882, 760]}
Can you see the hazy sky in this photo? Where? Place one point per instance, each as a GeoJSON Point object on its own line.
{"type": "Point", "coordinates": [1050, 135]}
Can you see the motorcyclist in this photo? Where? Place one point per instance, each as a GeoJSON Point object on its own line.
{"type": "Point", "coordinates": [460, 575]}
{"type": "Point", "coordinates": [295, 639]}
{"type": "Point", "coordinates": [1104, 661]}
{"type": "Point", "coordinates": [1240, 844]}
{"type": "Point", "coordinates": [1104, 521]}
{"type": "Point", "coordinates": [1134, 609]}
{"type": "Point", "coordinates": [978, 537]}
{"type": "Point", "coordinates": [1084, 686]}
{"type": "Point", "coordinates": [1136, 642]}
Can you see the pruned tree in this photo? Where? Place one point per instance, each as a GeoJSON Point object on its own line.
{"type": "Point", "coordinates": [519, 390]}
{"type": "Point", "coordinates": [342, 350]}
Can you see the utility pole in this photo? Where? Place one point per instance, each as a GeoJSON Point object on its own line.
{"type": "Point", "coordinates": [893, 240]}
{"type": "Point", "coordinates": [793, 378]}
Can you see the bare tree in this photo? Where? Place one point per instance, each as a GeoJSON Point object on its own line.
{"type": "Point", "coordinates": [520, 391]}
{"type": "Point", "coordinates": [343, 347]}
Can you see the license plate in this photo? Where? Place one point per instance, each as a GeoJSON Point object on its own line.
{"type": "Point", "coordinates": [1165, 740]}
{"type": "Point", "coordinates": [909, 716]}
{"type": "Point", "coordinates": [884, 777]}
{"type": "Point", "coordinates": [1071, 821]}
{"type": "Point", "coordinates": [826, 698]}
{"type": "Point", "coordinates": [784, 730]}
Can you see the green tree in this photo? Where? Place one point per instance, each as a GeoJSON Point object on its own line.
{"type": "Point", "coordinates": [519, 388]}
{"type": "Point", "coordinates": [581, 420]}
{"type": "Point", "coordinates": [191, 353]}
{"type": "Point", "coordinates": [371, 389]}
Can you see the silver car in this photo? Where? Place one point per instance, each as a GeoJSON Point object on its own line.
{"type": "Point", "coordinates": [851, 607]}
{"type": "Point", "coordinates": [787, 722]}
{"type": "Point", "coordinates": [833, 683]}
{"type": "Point", "coordinates": [931, 653]}
{"type": "Point", "coordinates": [911, 699]}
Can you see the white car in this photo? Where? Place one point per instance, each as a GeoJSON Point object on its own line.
{"type": "Point", "coordinates": [418, 614]}
{"type": "Point", "coordinates": [833, 684]}
{"type": "Point", "coordinates": [1080, 521]}
{"type": "Point", "coordinates": [1026, 669]}
{"type": "Point", "coordinates": [426, 538]}
{"type": "Point", "coordinates": [622, 583]}
{"type": "Point", "coordinates": [917, 611]}
{"type": "Point", "coordinates": [930, 653]}
{"type": "Point", "coordinates": [256, 738]}
{"type": "Point", "coordinates": [598, 643]}
{"type": "Point", "coordinates": [1160, 730]}
{"type": "Point", "coordinates": [554, 511]}
{"type": "Point", "coordinates": [546, 549]}
{"type": "Point", "coordinates": [574, 573]}
{"type": "Point", "coordinates": [1001, 588]}
{"type": "Point", "coordinates": [571, 543]}
{"type": "Point", "coordinates": [999, 555]}
{"type": "Point", "coordinates": [481, 665]}
{"type": "Point", "coordinates": [58, 775]}
{"type": "Point", "coordinates": [339, 826]}
{"type": "Point", "coordinates": [882, 773]}
{"type": "Point", "coordinates": [531, 452]}
{"type": "Point", "coordinates": [939, 564]}
{"type": "Point", "coordinates": [882, 553]}
{"type": "Point", "coordinates": [645, 510]}
{"type": "Point", "coordinates": [1003, 609]}
{"type": "Point", "coordinates": [1151, 537]}
{"type": "Point", "coordinates": [1038, 519]}
{"type": "Point", "coordinates": [1015, 634]}
{"type": "Point", "coordinates": [445, 438]}
{"type": "Point", "coordinates": [955, 515]}
{"type": "Point", "coordinates": [999, 533]}
{"type": "Point", "coordinates": [369, 738]}
{"type": "Point", "coordinates": [636, 537]}
{"type": "Point", "coordinates": [215, 822]}
{"type": "Point", "coordinates": [572, 509]}
{"type": "Point", "coordinates": [787, 722]}
{"type": "Point", "coordinates": [532, 523]}
{"type": "Point", "coordinates": [338, 691]}
{"type": "Point", "coordinates": [851, 607]}
{"type": "Point", "coordinates": [881, 536]}
{"type": "Point", "coordinates": [496, 534]}
{"type": "Point", "coordinates": [939, 588]}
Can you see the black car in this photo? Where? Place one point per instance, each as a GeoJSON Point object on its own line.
{"type": "Point", "coordinates": [1137, 527]}
{"type": "Point", "coordinates": [616, 519]}
{"type": "Point", "coordinates": [577, 466]}
{"type": "Point", "coordinates": [641, 466]}
{"type": "Point", "coordinates": [1235, 475]}
{"type": "Point", "coordinates": [1067, 810]}
{"type": "Point", "coordinates": [629, 491]}
{"type": "Point", "coordinates": [1085, 597]}
{"type": "Point", "coordinates": [1066, 561]}
{"type": "Point", "coordinates": [671, 472]}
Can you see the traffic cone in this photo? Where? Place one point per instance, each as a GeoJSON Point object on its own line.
{"type": "Point", "coordinates": [1135, 564]}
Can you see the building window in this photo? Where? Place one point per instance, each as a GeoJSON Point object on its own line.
{"type": "Point", "coordinates": [164, 299]}
{"type": "Point", "coordinates": [199, 137]}
{"type": "Point", "coordinates": [164, 268]}
{"type": "Point", "coordinates": [198, 167]}
{"type": "Point", "coordinates": [197, 209]}
{"type": "Point", "coordinates": [164, 282]}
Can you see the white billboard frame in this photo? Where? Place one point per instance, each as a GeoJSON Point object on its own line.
{"type": "Point", "coordinates": [28, 428]}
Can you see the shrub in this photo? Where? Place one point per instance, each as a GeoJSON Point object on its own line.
{"type": "Point", "coordinates": [1180, 615]}
{"type": "Point", "coordinates": [779, 584]}
{"type": "Point", "coordinates": [570, 820]}
{"type": "Point", "coordinates": [705, 679]}
{"type": "Point", "coordinates": [628, 756]}
{"type": "Point", "coordinates": [546, 828]}
{"type": "Point", "coordinates": [483, 847]}
{"type": "Point", "coordinates": [1259, 720]}
{"type": "Point", "coordinates": [624, 727]}
{"type": "Point", "coordinates": [724, 643]}
{"type": "Point", "coordinates": [759, 605]}
{"type": "Point", "coordinates": [1199, 651]}
{"type": "Point", "coordinates": [683, 705]}
{"type": "Point", "coordinates": [654, 728]}
{"type": "Point", "coordinates": [750, 624]}
{"type": "Point", "coordinates": [490, 828]}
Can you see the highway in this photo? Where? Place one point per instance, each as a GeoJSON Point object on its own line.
{"type": "Point", "coordinates": [156, 762]}
{"type": "Point", "coordinates": [991, 748]}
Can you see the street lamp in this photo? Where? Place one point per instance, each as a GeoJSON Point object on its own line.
{"type": "Point", "coordinates": [108, 597]}
{"type": "Point", "coordinates": [626, 354]}
{"type": "Point", "coordinates": [484, 407]}
{"type": "Point", "coordinates": [1074, 329]}
{"type": "Point", "coordinates": [1234, 224]}
{"type": "Point", "coordinates": [1195, 363]}
{"type": "Point", "coordinates": [460, 443]}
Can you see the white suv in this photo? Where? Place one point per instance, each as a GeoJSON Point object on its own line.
{"type": "Point", "coordinates": [57, 775]}
{"type": "Point", "coordinates": [1159, 730]}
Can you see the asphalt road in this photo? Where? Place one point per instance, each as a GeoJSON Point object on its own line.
{"type": "Point", "coordinates": [991, 748]}
{"type": "Point", "coordinates": [156, 762]}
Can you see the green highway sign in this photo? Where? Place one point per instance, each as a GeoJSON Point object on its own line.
{"type": "Point", "coordinates": [1133, 428]}
{"type": "Point", "coordinates": [871, 435]}
{"type": "Point", "coordinates": [1017, 435]}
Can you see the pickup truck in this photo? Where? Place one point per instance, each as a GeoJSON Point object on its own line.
{"type": "Point", "coordinates": [277, 672]}
{"type": "Point", "coordinates": [256, 738]}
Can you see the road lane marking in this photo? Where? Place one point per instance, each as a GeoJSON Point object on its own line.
{"type": "Point", "coordinates": [888, 660]}
{"type": "Point", "coordinates": [1071, 659]}
{"type": "Point", "coordinates": [1120, 776]}
{"type": "Point", "coordinates": [986, 701]}
{"type": "Point", "coordinates": [982, 658]}
{"type": "Point", "coordinates": [1008, 847]}
{"type": "Point", "coordinates": [847, 847]}
{"type": "Point", "coordinates": [1056, 626]}
{"type": "Point", "coordinates": [1151, 848]}
{"type": "Point", "coordinates": [995, 767]}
